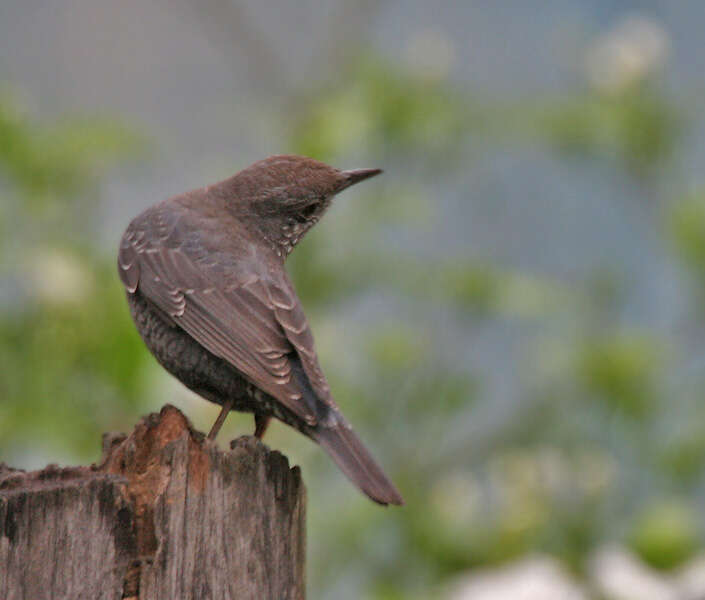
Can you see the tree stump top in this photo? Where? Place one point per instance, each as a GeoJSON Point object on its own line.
{"type": "Point", "coordinates": [165, 514]}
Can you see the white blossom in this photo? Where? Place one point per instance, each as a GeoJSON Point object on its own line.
{"type": "Point", "coordinates": [57, 277]}
{"type": "Point", "coordinates": [535, 578]}
{"type": "Point", "coordinates": [627, 54]}
{"type": "Point", "coordinates": [618, 575]}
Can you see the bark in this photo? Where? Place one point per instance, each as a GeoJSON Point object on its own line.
{"type": "Point", "coordinates": [166, 514]}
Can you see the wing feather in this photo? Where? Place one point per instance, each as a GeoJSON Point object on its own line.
{"type": "Point", "coordinates": [254, 322]}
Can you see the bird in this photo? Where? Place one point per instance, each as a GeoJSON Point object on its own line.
{"type": "Point", "coordinates": [207, 289]}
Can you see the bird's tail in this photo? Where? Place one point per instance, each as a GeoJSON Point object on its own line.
{"type": "Point", "coordinates": [346, 449]}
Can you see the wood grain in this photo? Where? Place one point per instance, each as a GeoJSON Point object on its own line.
{"type": "Point", "coordinates": [166, 514]}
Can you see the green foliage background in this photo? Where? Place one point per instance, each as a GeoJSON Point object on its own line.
{"type": "Point", "coordinates": [607, 441]}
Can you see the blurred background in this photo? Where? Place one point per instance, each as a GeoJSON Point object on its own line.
{"type": "Point", "coordinates": [512, 316]}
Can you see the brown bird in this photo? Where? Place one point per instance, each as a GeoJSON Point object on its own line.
{"type": "Point", "coordinates": [207, 289]}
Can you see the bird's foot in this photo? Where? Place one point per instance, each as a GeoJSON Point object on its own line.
{"type": "Point", "coordinates": [227, 406]}
{"type": "Point", "coordinates": [261, 424]}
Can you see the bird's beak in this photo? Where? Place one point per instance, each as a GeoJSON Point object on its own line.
{"type": "Point", "coordinates": [357, 175]}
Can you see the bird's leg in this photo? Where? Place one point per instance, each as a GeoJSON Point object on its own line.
{"type": "Point", "coordinates": [227, 406]}
{"type": "Point", "coordinates": [261, 424]}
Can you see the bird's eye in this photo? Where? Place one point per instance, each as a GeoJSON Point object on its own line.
{"type": "Point", "coordinates": [309, 210]}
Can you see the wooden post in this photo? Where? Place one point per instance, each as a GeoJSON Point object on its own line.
{"type": "Point", "coordinates": [166, 514]}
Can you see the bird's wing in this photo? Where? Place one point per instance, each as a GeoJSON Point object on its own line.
{"type": "Point", "coordinates": [254, 322]}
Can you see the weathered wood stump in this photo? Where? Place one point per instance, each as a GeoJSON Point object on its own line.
{"type": "Point", "coordinates": [166, 514]}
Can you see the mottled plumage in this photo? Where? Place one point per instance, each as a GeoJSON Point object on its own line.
{"type": "Point", "coordinates": [207, 289]}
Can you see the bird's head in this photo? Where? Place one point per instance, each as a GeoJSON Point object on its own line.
{"type": "Point", "coordinates": [288, 194]}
